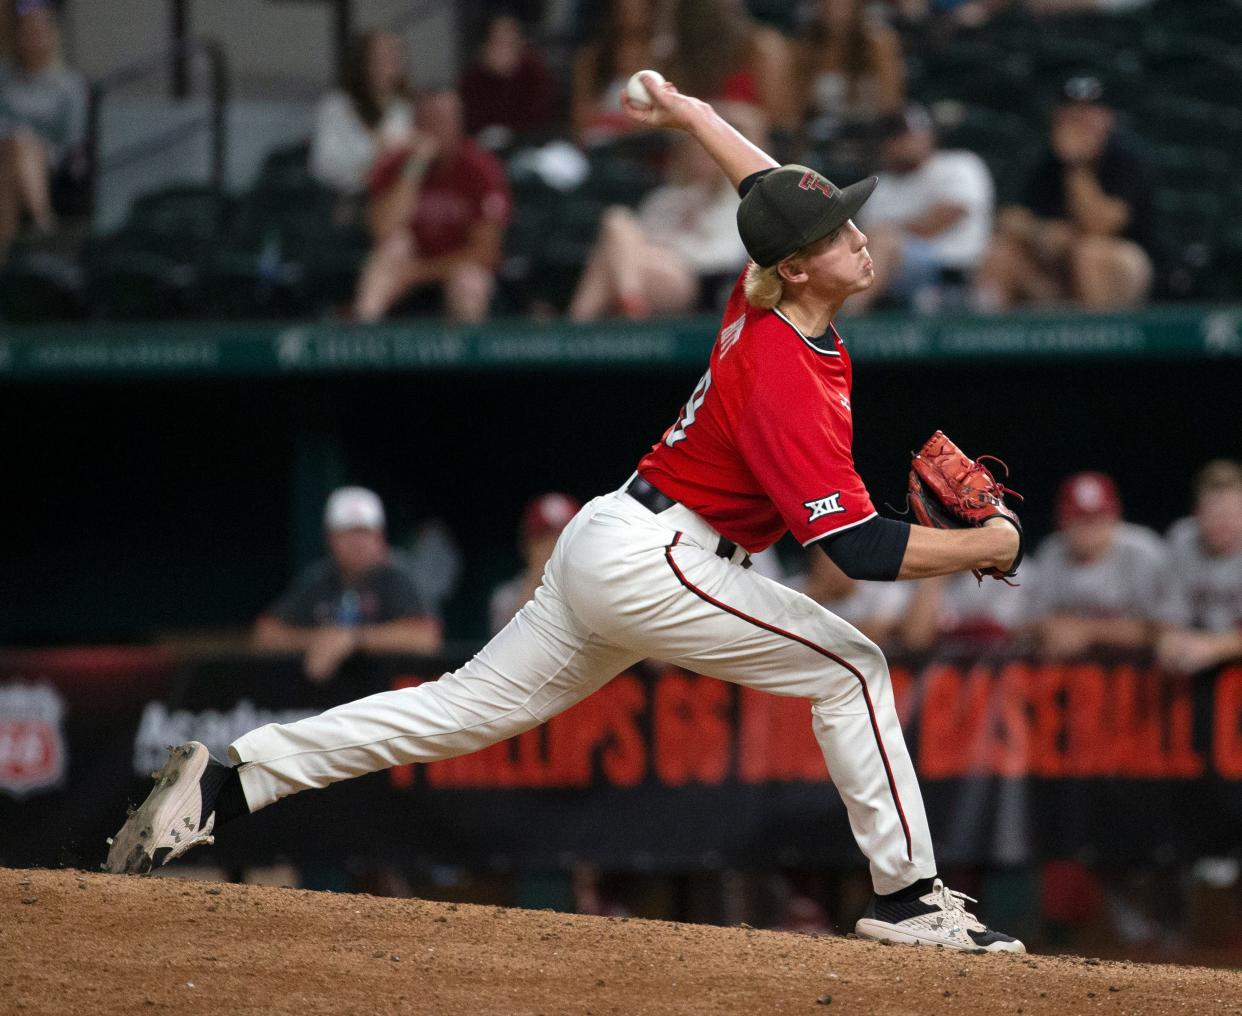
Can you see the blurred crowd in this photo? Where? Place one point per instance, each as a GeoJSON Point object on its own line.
{"type": "Point", "coordinates": [1098, 583]}
{"type": "Point", "coordinates": [1020, 163]}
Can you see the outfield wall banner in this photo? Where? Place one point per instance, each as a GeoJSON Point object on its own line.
{"type": "Point", "coordinates": [1020, 760]}
{"type": "Point", "coordinates": [265, 349]}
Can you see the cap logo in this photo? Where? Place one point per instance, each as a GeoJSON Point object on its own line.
{"type": "Point", "coordinates": [813, 181]}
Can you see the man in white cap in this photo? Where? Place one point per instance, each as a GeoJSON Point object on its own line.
{"type": "Point", "coordinates": [355, 600]}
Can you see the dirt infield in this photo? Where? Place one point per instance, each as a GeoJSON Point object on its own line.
{"type": "Point", "coordinates": [72, 942]}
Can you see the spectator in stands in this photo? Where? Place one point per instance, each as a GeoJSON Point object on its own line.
{"type": "Point", "coordinates": [1082, 231]}
{"type": "Point", "coordinates": [933, 219]}
{"type": "Point", "coordinates": [624, 42]}
{"type": "Point", "coordinates": [661, 259]}
{"type": "Point", "coordinates": [1207, 565]}
{"type": "Point", "coordinates": [508, 85]}
{"type": "Point", "coordinates": [370, 114]}
{"type": "Point", "coordinates": [438, 214]}
{"type": "Point", "coordinates": [42, 129]}
{"type": "Point", "coordinates": [356, 600]}
{"type": "Point", "coordinates": [721, 53]}
{"type": "Point", "coordinates": [957, 608]}
{"type": "Point", "coordinates": [850, 67]}
{"type": "Point", "coordinates": [875, 608]}
{"type": "Point", "coordinates": [1100, 582]}
{"type": "Point", "coordinates": [542, 522]}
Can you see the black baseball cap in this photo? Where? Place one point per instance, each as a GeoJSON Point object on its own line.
{"type": "Point", "coordinates": [794, 206]}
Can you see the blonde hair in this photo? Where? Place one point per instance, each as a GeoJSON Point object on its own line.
{"type": "Point", "coordinates": [764, 287]}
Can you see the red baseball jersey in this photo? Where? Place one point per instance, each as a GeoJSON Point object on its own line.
{"type": "Point", "coordinates": [765, 442]}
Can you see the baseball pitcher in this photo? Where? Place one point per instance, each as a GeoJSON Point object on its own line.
{"type": "Point", "coordinates": [659, 568]}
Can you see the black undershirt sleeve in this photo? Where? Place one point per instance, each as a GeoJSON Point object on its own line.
{"type": "Point", "coordinates": [749, 181]}
{"type": "Point", "coordinates": [873, 550]}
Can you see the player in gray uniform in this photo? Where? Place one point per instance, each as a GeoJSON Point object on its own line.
{"type": "Point", "coordinates": [1206, 549]}
{"type": "Point", "coordinates": [1099, 581]}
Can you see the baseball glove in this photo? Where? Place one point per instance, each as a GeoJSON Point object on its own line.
{"type": "Point", "coordinates": [948, 490]}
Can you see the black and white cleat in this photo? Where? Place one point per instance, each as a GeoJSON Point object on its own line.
{"type": "Point", "coordinates": [938, 918]}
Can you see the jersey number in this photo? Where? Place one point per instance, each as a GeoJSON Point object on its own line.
{"type": "Point", "coordinates": [678, 433]}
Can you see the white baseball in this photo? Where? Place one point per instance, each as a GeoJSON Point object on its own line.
{"type": "Point", "coordinates": [636, 89]}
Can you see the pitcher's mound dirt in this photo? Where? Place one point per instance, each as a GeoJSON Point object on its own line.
{"type": "Point", "coordinates": [73, 942]}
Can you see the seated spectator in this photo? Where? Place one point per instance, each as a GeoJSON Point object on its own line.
{"type": "Point", "coordinates": [721, 53]}
{"type": "Point", "coordinates": [1207, 566]}
{"type": "Point", "coordinates": [42, 130]}
{"type": "Point", "coordinates": [355, 600]}
{"type": "Point", "coordinates": [624, 42]}
{"type": "Point", "coordinates": [542, 522]}
{"type": "Point", "coordinates": [958, 609]}
{"type": "Point", "coordinates": [850, 67]}
{"type": "Point", "coordinates": [875, 608]}
{"type": "Point", "coordinates": [370, 114]}
{"type": "Point", "coordinates": [659, 260]}
{"type": "Point", "coordinates": [1082, 232]}
{"type": "Point", "coordinates": [931, 214]}
{"type": "Point", "coordinates": [1099, 582]}
{"type": "Point", "coordinates": [508, 85]}
{"type": "Point", "coordinates": [438, 215]}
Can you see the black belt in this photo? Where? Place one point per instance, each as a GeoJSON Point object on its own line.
{"type": "Point", "coordinates": [656, 501]}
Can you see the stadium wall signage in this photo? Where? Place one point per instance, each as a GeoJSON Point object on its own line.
{"type": "Point", "coordinates": [661, 769]}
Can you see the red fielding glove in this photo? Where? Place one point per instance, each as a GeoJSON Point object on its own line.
{"type": "Point", "coordinates": [949, 490]}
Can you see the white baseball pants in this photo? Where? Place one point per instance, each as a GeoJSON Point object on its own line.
{"type": "Point", "coordinates": [625, 585]}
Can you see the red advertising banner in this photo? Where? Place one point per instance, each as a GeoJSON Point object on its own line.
{"type": "Point", "coordinates": [660, 768]}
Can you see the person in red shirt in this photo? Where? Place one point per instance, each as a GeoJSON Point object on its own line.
{"type": "Point", "coordinates": [508, 85]}
{"type": "Point", "coordinates": [659, 569]}
{"type": "Point", "coordinates": [438, 214]}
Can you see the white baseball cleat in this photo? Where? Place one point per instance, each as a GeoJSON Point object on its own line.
{"type": "Point", "coordinates": [939, 918]}
{"type": "Point", "coordinates": [171, 820]}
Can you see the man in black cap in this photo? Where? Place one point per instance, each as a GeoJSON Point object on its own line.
{"type": "Point", "coordinates": [660, 569]}
{"type": "Point", "coordinates": [1082, 231]}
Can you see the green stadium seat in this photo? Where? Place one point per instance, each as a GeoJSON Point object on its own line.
{"type": "Point", "coordinates": [285, 168]}
{"type": "Point", "coordinates": [1215, 19]}
{"type": "Point", "coordinates": [1008, 143]}
{"type": "Point", "coordinates": [136, 275]}
{"type": "Point", "coordinates": [184, 210]}
{"type": "Point", "coordinates": [1225, 283]}
{"type": "Point", "coordinates": [1187, 225]}
{"type": "Point", "coordinates": [1207, 72]}
{"type": "Point", "coordinates": [40, 283]}
{"type": "Point", "coordinates": [1117, 33]}
{"type": "Point", "coordinates": [618, 180]}
{"type": "Point", "coordinates": [1173, 120]}
{"type": "Point", "coordinates": [148, 269]}
{"type": "Point", "coordinates": [266, 262]}
{"type": "Point", "coordinates": [1188, 167]}
{"type": "Point", "coordinates": [570, 234]}
{"type": "Point", "coordinates": [1005, 84]}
